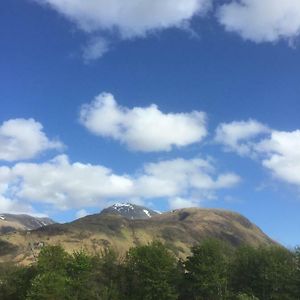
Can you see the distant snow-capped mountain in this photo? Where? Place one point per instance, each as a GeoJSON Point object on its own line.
{"type": "Point", "coordinates": [11, 222]}
{"type": "Point", "coordinates": [130, 211]}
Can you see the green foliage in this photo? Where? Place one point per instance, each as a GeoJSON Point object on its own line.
{"type": "Point", "coordinates": [297, 271]}
{"type": "Point", "coordinates": [107, 275]}
{"type": "Point", "coordinates": [49, 286]}
{"type": "Point", "coordinates": [53, 259]}
{"type": "Point", "coordinates": [266, 273]}
{"type": "Point", "coordinates": [206, 271]}
{"type": "Point", "coordinates": [15, 281]}
{"type": "Point", "coordinates": [150, 273]}
{"type": "Point", "coordinates": [246, 297]}
{"type": "Point", "coordinates": [212, 272]}
{"type": "Point", "coordinates": [79, 270]}
{"type": "Point", "coordinates": [52, 280]}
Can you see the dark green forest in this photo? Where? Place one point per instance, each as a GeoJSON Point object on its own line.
{"type": "Point", "coordinates": [213, 271]}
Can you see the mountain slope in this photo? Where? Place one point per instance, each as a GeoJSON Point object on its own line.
{"type": "Point", "coordinates": [11, 223]}
{"type": "Point", "coordinates": [179, 230]}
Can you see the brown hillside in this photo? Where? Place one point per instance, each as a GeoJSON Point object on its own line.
{"type": "Point", "coordinates": [179, 230]}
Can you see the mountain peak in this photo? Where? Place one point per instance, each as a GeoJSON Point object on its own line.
{"type": "Point", "coordinates": [130, 211]}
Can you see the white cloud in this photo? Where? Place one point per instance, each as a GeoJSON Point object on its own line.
{"type": "Point", "coordinates": [262, 20]}
{"type": "Point", "coordinates": [227, 180]}
{"type": "Point", "coordinates": [240, 136]}
{"type": "Point", "coordinates": [177, 203]}
{"type": "Point", "coordinates": [277, 151]}
{"type": "Point", "coordinates": [16, 207]}
{"type": "Point", "coordinates": [5, 177]}
{"type": "Point", "coordinates": [23, 139]}
{"type": "Point", "coordinates": [104, 21]}
{"type": "Point", "coordinates": [129, 17]}
{"type": "Point", "coordinates": [125, 19]}
{"type": "Point", "coordinates": [65, 185]}
{"type": "Point", "coordinates": [282, 155]}
{"type": "Point", "coordinates": [179, 177]}
{"type": "Point", "coordinates": [142, 128]}
{"type": "Point", "coordinates": [7, 189]}
{"type": "Point", "coordinates": [95, 49]}
{"type": "Point", "coordinates": [81, 213]}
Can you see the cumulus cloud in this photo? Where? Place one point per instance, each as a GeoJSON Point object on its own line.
{"type": "Point", "coordinates": [7, 188]}
{"type": "Point", "coordinates": [240, 136]}
{"type": "Point", "coordinates": [262, 20]}
{"type": "Point", "coordinates": [142, 128]}
{"type": "Point", "coordinates": [180, 177]}
{"type": "Point", "coordinates": [65, 185]}
{"type": "Point", "coordinates": [24, 139]}
{"type": "Point", "coordinates": [125, 19]}
{"type": "Point", "coordinates": [282, 155]}
{"type": "Point", "coordinates": [129, 17]}
{"type": "Point", "coordinates": [277, 151]}
{"type": "Point", "coordinates": [104, 21]}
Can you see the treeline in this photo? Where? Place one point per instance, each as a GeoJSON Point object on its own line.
{"type": "Point", "coordinates": [213, 271]}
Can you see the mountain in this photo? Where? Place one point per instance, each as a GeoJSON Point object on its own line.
{"type": "Point", "coordinates": [178, 229]}
{"type": "Point", "coordinates": [130, 211]}
{"type": "Point", "coordinates": [11, 223]}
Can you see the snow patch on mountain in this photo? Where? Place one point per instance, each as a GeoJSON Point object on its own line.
{"type": "Point", "coordinates": [118, 206]}
{"type": "Point", "coordinates": [130, 211]}
{"type": "Point", "coordinates": [147, 213]}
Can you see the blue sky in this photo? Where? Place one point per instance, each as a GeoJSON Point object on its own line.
{"type": "Point", "coordinates": [167, 105]}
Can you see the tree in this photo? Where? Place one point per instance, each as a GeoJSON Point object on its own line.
{"type": "Point", "coordinates": [79, 271]}
{"type": "Point", "coordinates": [53, 258]}
{"type": "Point", "coordinates": [206, 271]}
{"type": "Point", "coordinates": [52, 281]}
{"type": "Point", "coordinates": [213, 271]}
{"type": "Point", "coordinates": [297, 271]}
{"type": "Point", "coordinates": [15, 281]}
{"type": "Point", "coordinates": [106, 276]}
{"type": "Point", "coordinates": [150, 273]}
{"type": "Point", "coordinates": [266, 272]}
{"type": "Point", "coordinates": [50, 286]}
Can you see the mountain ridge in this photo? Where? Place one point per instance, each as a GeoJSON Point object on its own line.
{"type": "Point", "coordinates": [179, 230]}
{"type": "Point", "coordinates": [14, 222]}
